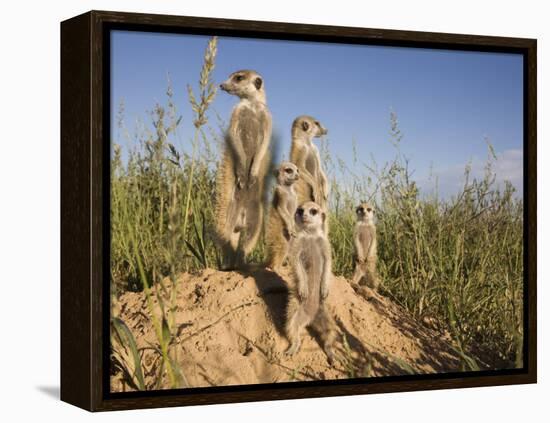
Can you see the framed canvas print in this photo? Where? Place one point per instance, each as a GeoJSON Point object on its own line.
{"type": "Point", "coordinates": [259, 210]}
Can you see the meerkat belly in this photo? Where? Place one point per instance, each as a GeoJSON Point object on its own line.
{"type": "Point", "coordinates": [251, 130]}
{"type": "Point", "coordinates": [276, 223]}
{"type": "Point", "coordinates": [312, 259]}
{"type": "Point", "coordinates": [311, 164]}
{"type": "Point", "coordinates": [292, 205]}
{"type": "Point", "coordinates": [249, 137]}
{"type": "Point", "coordinates": [366, 236]}
{"type": "Point", "coordinates": [362, 236]}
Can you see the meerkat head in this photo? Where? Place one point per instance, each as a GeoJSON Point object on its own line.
{"type": "Point", "coordinates": [310, 217]}
{"type": "Point", "coordinates": [307, 127]}
{"type": "Point", "coordinates": [287, 173]}
{"type": "Point", "coordinates": [245, 84]}
{"type": "Point", "coordinates": [365, 213]}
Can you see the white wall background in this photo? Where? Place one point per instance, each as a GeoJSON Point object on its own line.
{"type": "Point", "coordinates": [29, 222]}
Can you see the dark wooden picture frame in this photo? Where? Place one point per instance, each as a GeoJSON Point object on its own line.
{"type": "Point", "coordinates": [85, 154]}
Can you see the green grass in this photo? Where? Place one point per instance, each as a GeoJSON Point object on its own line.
{"type": "Point", "coordinates": [458, 260]}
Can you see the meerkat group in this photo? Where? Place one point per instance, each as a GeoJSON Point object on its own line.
{"type": "Point", "coordinates": [297, 227]}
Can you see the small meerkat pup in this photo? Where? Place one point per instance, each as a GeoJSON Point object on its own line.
{"type": "Point", "coordinates": [313, 184]}
{"type": "Point", "coordinates": [364, 239]}
{"type": "Point", "coordinates": [243, 167]}
{"type": "Point", "coordinates": [310, 260]}
{"type": "Point", "coordinates": [280, 224]}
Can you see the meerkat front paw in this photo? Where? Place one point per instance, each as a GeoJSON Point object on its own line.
{"type": "Point", "coordinates": [240, 177]}
{"type": "Point", "coordinates": [324, 291]}
{"type": "Point", "coordinates": [252, 180]}
{"type": "Point", "coordinates": [303, 292]}
{"type": "Point", "coordinates": [291, 232]}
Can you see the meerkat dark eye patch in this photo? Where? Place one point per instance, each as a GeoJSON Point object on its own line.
{"type": "Point", "coordinates": [238, 78]}
{"type": "Point", "coordinates": [288, 170]}
{"type": "Point", "coordinates": [258, 83]}
{"type": "Point", "coordinates": [300, 211]}
{"type": "Point", "coordinates": [369, 209]}
{"type": "Point", "coordinates": [305, 125]}
{"type": "Point", "coordinates": [313, 212]}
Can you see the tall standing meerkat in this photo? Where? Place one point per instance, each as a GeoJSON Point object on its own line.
{"type": "Point", "coordinates": [243, 168]}
{"type": "Point", "coordinates": [313, 184]}
{"type": "Point", "coordinates": [280, 224]}
{"type": "Point", "coordinates": [310, 260]}
{"type": "Point", "coordinates": [364, 240]}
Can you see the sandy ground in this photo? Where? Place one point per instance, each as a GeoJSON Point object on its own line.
{"type": "Point", "coordinates": [230, 330]}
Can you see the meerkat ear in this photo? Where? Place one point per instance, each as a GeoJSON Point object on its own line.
{"type": "Point", "coordinates": [258, 83]}
{"type": "Point", "coordinates": [323, 217]}
{"type": "Point", "coordinates": [305, 125]}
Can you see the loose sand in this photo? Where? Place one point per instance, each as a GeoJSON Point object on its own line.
{"type": "Point", "coordinates": [230, 331]}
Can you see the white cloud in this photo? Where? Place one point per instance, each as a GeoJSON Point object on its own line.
{"type": "Point", "coordinates": [507, 167]}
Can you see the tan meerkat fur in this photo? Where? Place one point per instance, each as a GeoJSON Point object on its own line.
{"type": "Point", "coordinates": [243, 168]}
{"type": "Point", "coordinates": [364, 241]}
{"type": "Point", "coordinates": [313, 183]}
{"type": "Point", "coordinates": [280, 224]}
{"type": "Point", "coordinates": [310, 261]}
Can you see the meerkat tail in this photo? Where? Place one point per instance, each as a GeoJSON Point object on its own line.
{"type": "Point", "coordinates": [275, 244]}
{"type": "Point", "coordinates": [325, 327]}
{"type": "Point", "coordinates": [276, 258]}
{"type": "Point", "coordinates": [226, 212]}
{"type": "Point", "coordinates": [225, 192]}
{"type": "Point", "coordinates": [270, 237]}
{"type": "Point", "coordinates": [253, 228]}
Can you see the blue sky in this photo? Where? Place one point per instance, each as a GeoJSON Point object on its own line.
{"type": "Point", "coordinates": [447, 102]}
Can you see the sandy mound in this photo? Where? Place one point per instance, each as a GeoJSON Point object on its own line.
{"type": "Point", "coordinates": [230, 330]}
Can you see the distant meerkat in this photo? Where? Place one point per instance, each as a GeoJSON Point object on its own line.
{"type": "Point", "coordinates": [310, 260]}
{"type": "Point", "coordinates": [364, 240]}
{"type": "Point", "coordinates": [280, 224]}
{"type": "Point", "coordinates": [313, 184]}
{"type": "Point", "coordinates": [243, 168]}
